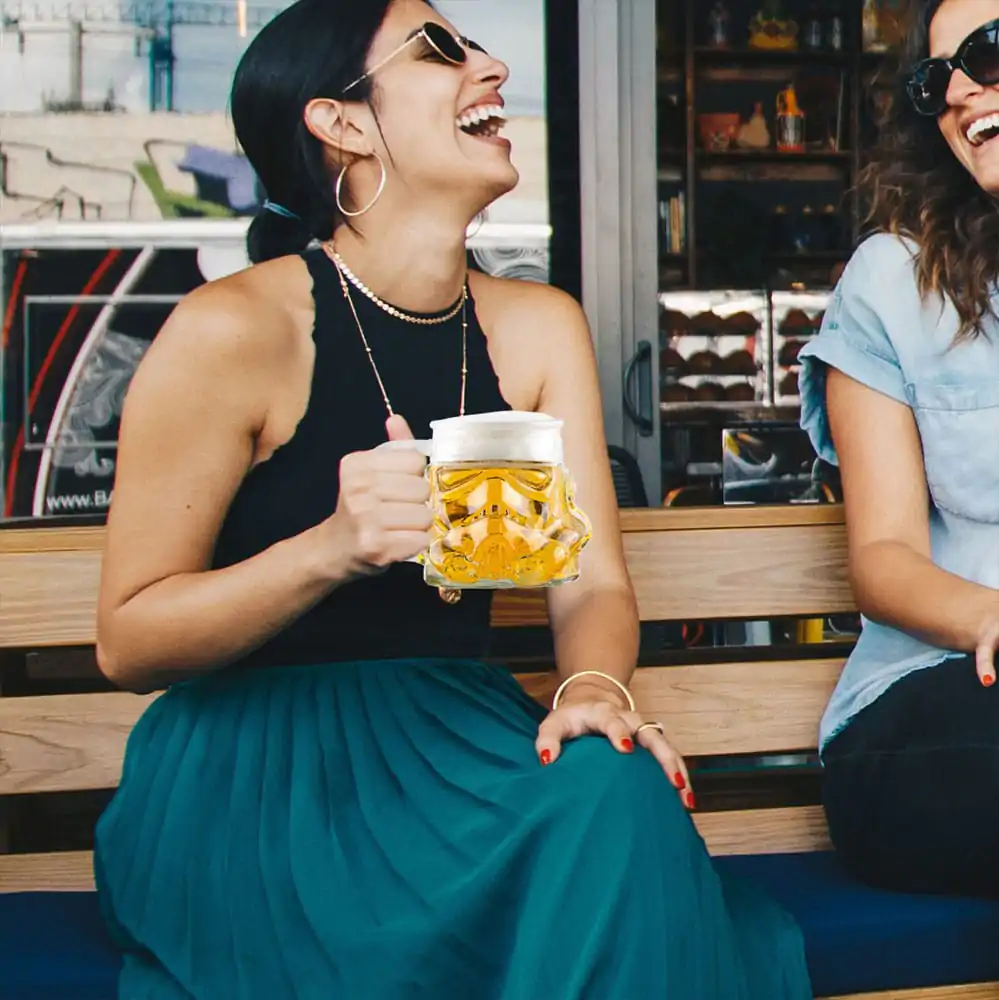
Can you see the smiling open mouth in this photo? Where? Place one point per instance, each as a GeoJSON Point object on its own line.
{"type": "Point", "coordinates": [982, 130]}
{"type": "Point", "coordinates": [484, 122]}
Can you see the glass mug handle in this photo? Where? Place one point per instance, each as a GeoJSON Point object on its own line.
{"type": "Point", "coordinates": [422, 446]}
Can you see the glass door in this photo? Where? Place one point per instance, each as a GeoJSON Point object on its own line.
{"type": "Point", "coordinates": [759, 125]}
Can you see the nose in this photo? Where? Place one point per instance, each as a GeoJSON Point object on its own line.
{"type": "Point", "coordinates": [488, 70]}
{"type": "Point", "coordinates": [961, 88]}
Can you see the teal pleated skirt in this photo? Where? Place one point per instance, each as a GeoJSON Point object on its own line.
{"type": "Point", "coordinates": [384, 831]}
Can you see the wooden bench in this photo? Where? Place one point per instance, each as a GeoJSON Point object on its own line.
{"type": "Point", "coordinates": [687, 565]}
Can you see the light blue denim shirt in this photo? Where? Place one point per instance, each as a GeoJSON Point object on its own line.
{"type": "Point", "coordinates": [878, 331]}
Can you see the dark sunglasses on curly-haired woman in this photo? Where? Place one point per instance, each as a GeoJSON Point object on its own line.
{"type": "Point", "coordinates": [451, 48]}
{"type": "Point", "coordinates": [977, 57]}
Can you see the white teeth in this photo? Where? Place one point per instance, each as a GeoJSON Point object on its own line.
{"type": "Point", "coordinates": [976, 131]}
{"type": "Point", "coordinates": [493, 114]}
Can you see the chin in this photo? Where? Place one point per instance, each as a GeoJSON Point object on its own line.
{"type": "Point", "coordinates": [507, 180]}
{"type": "Point", "coordinates": [982, 163]}
{"type": "Point", "coordinates": [988, 180]}
{"type": "Point", "coordinates": [491, 185]}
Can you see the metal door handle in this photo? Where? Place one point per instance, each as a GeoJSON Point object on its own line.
{"type": "Point", "coordinates": [640, 414]}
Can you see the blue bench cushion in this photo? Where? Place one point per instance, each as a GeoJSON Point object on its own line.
{"type": "Point", "coordinates": [863, 940]}
{"type": "Point", "coordinates": [53, 946]}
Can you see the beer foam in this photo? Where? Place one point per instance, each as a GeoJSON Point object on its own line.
{"type": "Point", "coordinates": [501, 436]}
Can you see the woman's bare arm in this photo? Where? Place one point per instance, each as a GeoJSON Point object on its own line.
{"type": "Point", "coordinates": [894, 578]}
{"type": "Point", "coordinates": [190, 425]}
{"type": "Point", "coordinates": [594, 620]}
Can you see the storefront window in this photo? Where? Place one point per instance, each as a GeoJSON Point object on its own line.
{"type": "Point", "coordinates": [122, 188]}
{"type": "Point", "coordinates": [764, 110]}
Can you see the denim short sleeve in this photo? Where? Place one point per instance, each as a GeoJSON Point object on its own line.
{"type": "Point", "coordinates": [854, 339]}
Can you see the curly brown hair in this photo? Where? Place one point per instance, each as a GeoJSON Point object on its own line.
{"type": "Point", "coordinates": [915, 187]}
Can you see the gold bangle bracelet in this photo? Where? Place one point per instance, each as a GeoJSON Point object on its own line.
{"type": "Point", "coordinates": [592, 673]}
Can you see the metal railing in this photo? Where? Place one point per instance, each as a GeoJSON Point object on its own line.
{"type": "Point", "coordinates": [180, 233]}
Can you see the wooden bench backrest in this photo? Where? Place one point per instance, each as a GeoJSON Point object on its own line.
{"type": "Point", "coordinates": [729, 563]}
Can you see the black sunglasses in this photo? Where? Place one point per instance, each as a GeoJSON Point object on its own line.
{"type": "Point", "coordinates": [452, 48]}
{"type": "Point", "coordinates": [977, 57]}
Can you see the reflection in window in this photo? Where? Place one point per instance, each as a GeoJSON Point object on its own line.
{"type": "Point", "coordinates": [118, 112]}
{"type": "Point", "coordinates": [119, 120]}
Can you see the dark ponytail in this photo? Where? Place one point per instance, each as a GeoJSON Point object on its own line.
{"type": "Point", "coordinates": [313, 48]}
{"type": "Point", "coordinates": [271, 235]}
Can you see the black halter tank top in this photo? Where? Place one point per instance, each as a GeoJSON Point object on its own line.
{"type": "Point", "coordinates": [394, 614]}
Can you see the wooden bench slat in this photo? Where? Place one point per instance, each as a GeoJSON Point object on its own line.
{"type": "Point", "coordinates": [770, 564]}
{"type": "Point", "coordinates": [746, 831]}
{"type": "Point", "coordinates": [972, 991]}
{"type": "Point", "coordinates": [48, 598]}
{"type": "Point", "coordinates": [729, 708]}
{"type": "Point", "coordinates": [39, 538]}
{"type": "Point", "coordinates": [767, 573]}
{"type": "Point", "coordinates": [63, 871]}
{"type": "Point", "coordinates": [745, 573]}
{"type": "Point", "coordinates": [789, 830]}
{"type": "Point", "coordinates": [65, 742]}
{"type": "Point", "coordinates": [70, 742]}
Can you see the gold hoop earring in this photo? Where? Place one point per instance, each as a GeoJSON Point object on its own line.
{"type": "Point", "coordinates": [370, 204]}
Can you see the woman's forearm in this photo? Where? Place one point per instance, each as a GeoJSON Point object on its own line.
{"type": "Point", "coordinates": [599, 631]}
{"type": "Point", "coordinates": [897, 586]}
{"type": "Point", "coordinates": [192, 623]}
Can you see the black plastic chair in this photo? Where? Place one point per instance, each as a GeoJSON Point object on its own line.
{"type": "Point", "coordinates": [627, 475]}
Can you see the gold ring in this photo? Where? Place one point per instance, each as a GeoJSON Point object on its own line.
{"type": "Point", "coordinates": [651, 725]}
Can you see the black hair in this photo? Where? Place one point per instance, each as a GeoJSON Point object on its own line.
{"type": "Point", "coordinates": [314, 48]}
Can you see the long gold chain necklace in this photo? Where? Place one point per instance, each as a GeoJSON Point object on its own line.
{"type": "Point", "coordinates": [341, 270]}
{"type": "Point", "coordinates": [447, 594]}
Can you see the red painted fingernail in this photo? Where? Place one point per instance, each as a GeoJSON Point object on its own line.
{"type": "Point", "coordinates": [546, 756]}
{"type": "Point", "coordinates": [626, 745]}
{"type": "Point", "coordinates": [678, 781]}
{"type": "Point", "coordinates": [988, 680]}
{"type": "Point", "coordinates": [691, 804]}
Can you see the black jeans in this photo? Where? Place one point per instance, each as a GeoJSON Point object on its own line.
{"type": "Point", "coordinates": [911, 785]}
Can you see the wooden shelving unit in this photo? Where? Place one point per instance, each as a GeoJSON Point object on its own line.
{"type": "Point", "coordinates": [691, 76]}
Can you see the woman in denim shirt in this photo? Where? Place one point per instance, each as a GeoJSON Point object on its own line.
{"type": "Point", "coordinates": [901, 389]}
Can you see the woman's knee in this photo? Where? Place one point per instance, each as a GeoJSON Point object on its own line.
{"type": "Point", "coordinates": [598, 771]}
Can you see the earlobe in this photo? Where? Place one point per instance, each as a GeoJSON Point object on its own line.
{"type": "Point", "coordinates": [331, 123]}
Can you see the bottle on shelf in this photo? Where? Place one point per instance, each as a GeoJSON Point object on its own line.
{"type": "Point", "coordinates": [718, 23]}
{"type": "Point", "coordinates": [790, 122]}
{"type": "Point", "coordinates": [812, 35]}
{"type": "Point", "coordinates": [834, 31]}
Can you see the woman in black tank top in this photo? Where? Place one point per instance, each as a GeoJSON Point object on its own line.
{"type": "Point", "coordinates": [336, 797]}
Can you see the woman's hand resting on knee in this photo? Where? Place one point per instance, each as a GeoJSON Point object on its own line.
{"type": "Point", "coordinates": [592, 708]}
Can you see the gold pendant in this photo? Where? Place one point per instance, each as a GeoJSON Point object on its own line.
{"type": "Point", "coordinates": [449, 595]}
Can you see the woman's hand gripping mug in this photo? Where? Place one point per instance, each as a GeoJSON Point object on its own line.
{"type": "Point", "coordinates": [504, 513]}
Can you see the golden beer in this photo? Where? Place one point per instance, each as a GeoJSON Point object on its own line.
{"type": "Point", "coordinates": [504, 513]}
{"type": "Point", "coordinates": [505, 524]}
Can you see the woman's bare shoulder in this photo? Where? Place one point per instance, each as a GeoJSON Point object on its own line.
{"type": "Point", "coordinates": [231, 338]}
{"type": "Point", "coordinates": [520, 293]}
{"type": "Point", "coordinates": [532, 328]}
{"type": "Point", "coordinates": [253, 312]}
{"type": "Point", "coordinates": [527, 310]}
{"type": "Point", "coordinates": [239, 325]}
